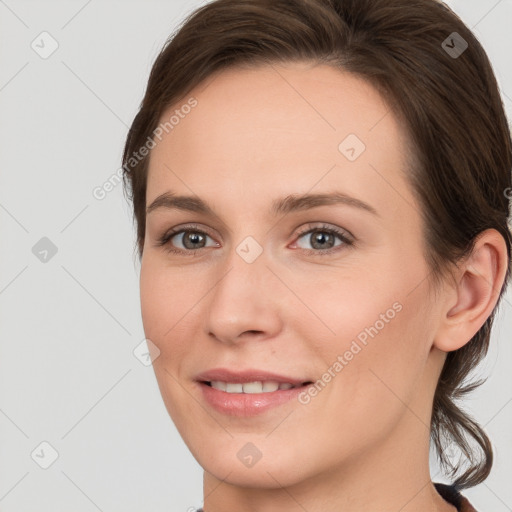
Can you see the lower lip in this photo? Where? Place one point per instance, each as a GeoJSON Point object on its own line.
{"type": "Point", "coordinates": [247, 404]}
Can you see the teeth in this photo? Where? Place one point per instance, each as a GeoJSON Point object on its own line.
{"type": "Point", "coordinates": [233, 388]}
{"type": "Point", "coordinates": [217, 384]}
{"type": "Point", "coordinates": [269, 386]}
{"type": "Point", "coordinates": [250, 387]}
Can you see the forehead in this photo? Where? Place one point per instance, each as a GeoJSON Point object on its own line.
{"type": "Point", "coordinates": [273, 130]}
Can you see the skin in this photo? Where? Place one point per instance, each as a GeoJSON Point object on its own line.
{"type": "Point", "coordinates": [363, 442]}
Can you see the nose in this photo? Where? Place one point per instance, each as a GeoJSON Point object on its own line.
{"type": "Point", "coordinates": [246, 302]}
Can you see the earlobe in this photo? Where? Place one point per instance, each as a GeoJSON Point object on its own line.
{"type": "Point", "coordinates": [479, 281]}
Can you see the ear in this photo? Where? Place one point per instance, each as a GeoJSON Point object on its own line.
{"type": "Point", "coordinates": [470, 301]}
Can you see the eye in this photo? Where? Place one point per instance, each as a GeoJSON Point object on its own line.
{"type": "Point", "coordinates": [323, 240]}
{"type": "Point", "coordinates": [186, 240]}
{"type": "Point", "coordinates": [190, 239]}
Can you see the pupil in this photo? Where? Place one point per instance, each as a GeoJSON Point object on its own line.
{"type": "Point", "coordinates": [319, 238]}
{"type": "Point", "coordinates": [192, 239]}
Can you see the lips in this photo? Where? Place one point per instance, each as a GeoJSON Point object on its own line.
{"type": "Point", "coordinates": [238, 393]}
{"type": "Point", "coordinates": [250, 375]}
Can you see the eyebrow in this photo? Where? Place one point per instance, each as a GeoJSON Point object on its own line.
{"type": "Point", "coordinates": [288, 204]}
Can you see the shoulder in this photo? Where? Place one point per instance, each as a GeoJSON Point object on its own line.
{"type": "Point", "coordinates": [451, 494]}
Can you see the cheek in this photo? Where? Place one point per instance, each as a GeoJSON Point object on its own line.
{"type": "Point", "coordinates": [373, 378]}
{"type": "Point", "coordinates": [344, 304]}
{"type": "Point", "coordinates": [375, 320]}
{"type": "Point", "coordinates": [151, 288]}
{"type": "Point", "coordinates": [166, 304]}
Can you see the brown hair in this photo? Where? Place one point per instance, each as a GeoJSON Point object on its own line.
{"type": "Point", "coordinates": [450, 105]}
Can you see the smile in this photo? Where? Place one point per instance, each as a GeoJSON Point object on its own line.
{"type": "Point", "coordinates": [252, 387]}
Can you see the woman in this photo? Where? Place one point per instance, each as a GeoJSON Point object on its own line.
{"type": "Point", "coordinates": [320, 189]}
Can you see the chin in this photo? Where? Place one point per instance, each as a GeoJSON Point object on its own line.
{"type": "Point", "coordinates": [232, 463]}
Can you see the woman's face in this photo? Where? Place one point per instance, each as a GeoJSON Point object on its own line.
{"type": "Point", "coordinates": [261, 283]}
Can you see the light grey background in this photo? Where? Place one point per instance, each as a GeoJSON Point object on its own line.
{"type": "Point", "coordinates": [69, 326]}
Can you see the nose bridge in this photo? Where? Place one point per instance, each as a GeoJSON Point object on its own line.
{"type": "Point", "coordinates": [242, 298]}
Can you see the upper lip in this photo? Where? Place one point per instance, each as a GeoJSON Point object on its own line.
{"type": "Point", "coordinates": [250, 375]}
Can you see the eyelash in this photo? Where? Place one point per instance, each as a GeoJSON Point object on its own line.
{"type": "Point", "coordinates": [165, 239]}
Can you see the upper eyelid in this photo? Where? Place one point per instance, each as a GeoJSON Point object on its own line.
{"type": "Point", "coordinates": [325, 226]}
